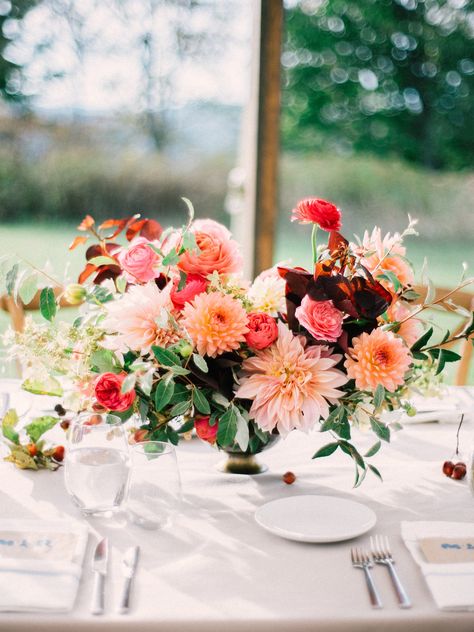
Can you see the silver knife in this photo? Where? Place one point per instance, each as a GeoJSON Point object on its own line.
{"type": "Point", "coordinates": [99, 566]}
{"type": "Point", "coordinates": [129, 567]}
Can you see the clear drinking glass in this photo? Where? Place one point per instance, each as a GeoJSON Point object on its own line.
{"type": "Point", "coordinates": [155, 487]}
{"type": "Point", "coordinates": [97, 463]}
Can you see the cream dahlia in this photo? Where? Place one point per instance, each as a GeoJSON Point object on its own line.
{"type": "Point", "coordinates": [291, 386]}
{"type": "Point", "coordinates": [141, 318]}
{"type": "Point", "coordinates": [378, 358]}
{"type": "Point", "coordinates": [267, 293]}
{"type": "Point", "coordinates": [216, 323]}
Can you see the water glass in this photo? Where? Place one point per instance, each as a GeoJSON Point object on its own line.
{"type": "Point", "coordinates": [97, 463]}
{"type": "Point", "coordinates": [155, 488]}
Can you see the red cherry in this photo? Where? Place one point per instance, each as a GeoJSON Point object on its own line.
{"type": "Point", "coordinates": [58, 454]}
{"type": "Point", "coordinates": [448, 467]}
{"type": "Point", "coordinates": [289, 478]}
{"type": "Point", "coordinates": [459, 471]}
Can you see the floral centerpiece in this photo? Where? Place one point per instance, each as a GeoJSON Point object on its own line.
{"type": "Point", "coordinates": [171, 333]}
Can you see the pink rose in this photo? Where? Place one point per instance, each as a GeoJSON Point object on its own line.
{"type": "Point", "coordinates": [263, 331]}
{"type": "Point", "coordinates": [195, 284]}
{"type": "Point", "coordinates": [204, 431]}
{"type": "Point", "coordinates": [108, 392]}
{"type": "Point", "coordinates": [217, 251]}
{"type": "Point", "coordinates": [139, 261]}
{"type": "Point", "coordinates": [320, 318]}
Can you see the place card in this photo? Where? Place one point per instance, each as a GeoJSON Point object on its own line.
{"type": "Point", "coordinates": [447, 550]}
{"type": "Point", "coordinates": [40, 545]}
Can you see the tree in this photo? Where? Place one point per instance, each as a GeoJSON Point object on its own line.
{"type": "Point", "coordinates": [11, 14]}
{"type": "Point", "coordinates": [384, 76]}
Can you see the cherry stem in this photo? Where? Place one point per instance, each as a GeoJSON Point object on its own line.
{"type": "Point", "coordinates": [457, 434]}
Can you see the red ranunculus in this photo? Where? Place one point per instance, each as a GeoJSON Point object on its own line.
{"type": "Point", "coordinates": [108, 392]}
{"type": "Point", "coordinates": [205, 431]}
{"type": "Point", "coordinates": [195, 284]}
{"type": "Point", "coordinates": [316, 211]}
{"type": "Point", "coordinates": [263, 331]}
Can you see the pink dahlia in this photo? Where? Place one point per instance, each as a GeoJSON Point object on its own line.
{"type": "Point", "coordinates": [291, 386]}
{"type": "Point", "coordinates": [411, 329]}
{"type": "Point", "coordinates": [216, 323]}
{"type": "Point", "coordinates": [316, 211]}
{"type": "Point", "coordinates": [378, 358]}
{"type": "Point", "coordinates": [320, 318]}
{"type": "Point", "coordinates": [140, 319]}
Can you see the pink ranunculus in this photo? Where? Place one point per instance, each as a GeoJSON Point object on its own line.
{"type": "Point", "coordinates": [139, 261]}
{"type": "Point", "coordinates": [108, 392]}
{"type": "Point", "coordinates": [195, 284]}
{"type": "Point", "coordinates": [320, 318]}
{"type": "Point", "coordinates": [205, 431]}
{"type": "Point", "coordinates": [217, 252]}
{"type": "Point", "coordinates": [263, 331]}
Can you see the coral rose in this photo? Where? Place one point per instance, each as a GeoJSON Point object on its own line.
{"type": "Point", "coordinates": [204, 430]}
{"type": "Point", "coordinates": [378, 358]}
{"type": "Point", "coordinates": [320, 318]}
{"type": "Point", "coordinates": [108, 392]}
{"type": "Point", "coordinates": [263, 331]}
{"type": "Point", "coordinates": [195, 284]}
{"type": "Point", "coordinates": [217, 252]}
{"type": "Point", "coordinates": [139, 261]}
{"type": "Point", "coordinates": [316, 211]}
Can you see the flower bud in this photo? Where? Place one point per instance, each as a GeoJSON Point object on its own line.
{"type": "Point", "coordinates": [184, 348]}
{"type": "Point", "coordinates": [75, 293]}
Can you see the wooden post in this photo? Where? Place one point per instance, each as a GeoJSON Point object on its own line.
{"type": "Point", "coordinates": [254, 226]}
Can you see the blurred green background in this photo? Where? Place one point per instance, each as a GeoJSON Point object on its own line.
{"type": "Point", "coordinates": [113, 108]}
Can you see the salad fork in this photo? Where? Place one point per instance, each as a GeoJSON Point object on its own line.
{"type": "Point", "coordinates": [360, 559]}
{"type": "Point", "coordinates": [382, 555]}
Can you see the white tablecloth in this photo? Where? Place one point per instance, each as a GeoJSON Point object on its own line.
{"type": "Point", "coordinates": [217, 571]}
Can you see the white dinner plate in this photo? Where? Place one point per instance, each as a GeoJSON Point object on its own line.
{"type": "Point", "coordinates": [315, 518]}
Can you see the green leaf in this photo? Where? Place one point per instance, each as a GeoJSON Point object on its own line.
{"type": "Point", "coordinates": [163, 393]}
{"type": "Point", "coordinates": [105, 361]}
{"type": "Point", "coordinates": [186, 427]}
{"type": "Point", "coordinates": [190, 206]}
{"type": "Point", "coordinates": [227, 428]}
{"type": "Point", "coordinates": [171, 258]}
{"type": "Point", "coordinates": [359, 476]}
{"type": "Point", "coordinates": [392, 278]}
{"type": "Point", "coordinates": [449, 356]}
{"type": "Point", "coordinates": [172, 435]}
{"type": "Point", "coordinates": [10, 279]}
{"type": "Point", "coordinates": [179, 370]}
{"type": "Point", "coordinates": [200, 362]}
{"type": "Point", "coordinates": [220, 399]}
{"type": "Point", "coordinates": [418, 355]}
{"type": "Point", "coordinates": [39, 426]}
{"type": "Point", "coordinates": [242, 435]}
{"type": "Point", "coordinates": [121, 284]}
{"type": "Point", "coordinates": [103, 261]}
{"type": "Point", "coordinates": [379, 396]}
{"type": "Point", "coordinates": [182, 280]}
{"type": "Point", "coordinates": [28, 288]}
{"type": "Point", "coordinates": [201, 402]}
{"type": "Point", "coordinates": [45, 386]}
{"type": "Point", "coordinates": [189, 242]}
{"type": "Point", "coordinates": [180, 408]}
{"type": "Point", "coordinates": [166, 357]}
{"type": "Point", "coordinates": [330, 419]}
{"type": "Point", "coordinates": [326, 450]}
{"type": "Point", "coordinates": [8, 426]}
{"type": "Point", "coordinates": [129, 383]}
{"type": "Point", "coordinates": [381, 430]}
{"type": "Point", "coordinates": [373, 450]}
{"type": "Point", "coordinates": [420, 343]}
{"type": "Point", "coordinates": [349, 449]}
{"type": "Point", "coordinates": [373, 469]}
{"type": "Point", "coordinates": [48, 303]}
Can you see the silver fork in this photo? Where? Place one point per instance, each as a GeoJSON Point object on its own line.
{"type": "Point", "coordinates": [382, 555]}
{"type": "Point", "coordinates": [360, 559]}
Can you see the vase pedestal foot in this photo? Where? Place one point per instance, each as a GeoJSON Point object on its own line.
{"type": "Point", "coordinates": [241, 464]}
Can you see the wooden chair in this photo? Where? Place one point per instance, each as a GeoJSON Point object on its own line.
{"type": "Point", "coordinates": [465, 299]}
{"type": "Point", "coordinates": [17, 310]}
